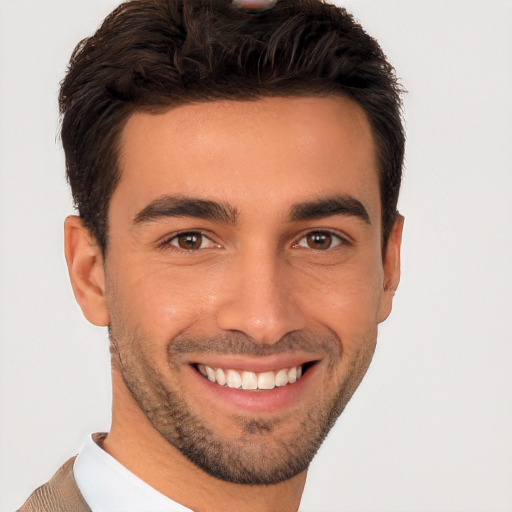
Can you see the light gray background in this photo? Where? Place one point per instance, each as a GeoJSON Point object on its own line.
{"type": "Point", "coordinates": [430, 428]}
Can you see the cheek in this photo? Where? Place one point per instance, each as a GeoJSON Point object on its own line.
{"type": "Point", "coordinates": [347, 300]}
{"type": "Point", "coordinates": [160, 299]}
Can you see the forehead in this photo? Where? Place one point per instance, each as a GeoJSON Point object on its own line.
{"type": "Point", "coordinates": [270, 151]}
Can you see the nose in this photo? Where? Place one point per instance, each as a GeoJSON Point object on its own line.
{"type": "Point", "coordinates": [259, 299]}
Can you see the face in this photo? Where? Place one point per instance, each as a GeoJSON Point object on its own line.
{"type": "Point", "coordinates": [245, 277]}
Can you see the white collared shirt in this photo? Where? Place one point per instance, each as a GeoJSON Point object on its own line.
{"type": "Point", "coordinates": [107, 486]}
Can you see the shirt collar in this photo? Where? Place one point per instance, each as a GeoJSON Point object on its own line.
{"type": "Point", "coordinates": [107, 486]}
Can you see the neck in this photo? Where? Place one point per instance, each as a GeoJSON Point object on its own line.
{"type": "Point", "coordinates": [136, 444]}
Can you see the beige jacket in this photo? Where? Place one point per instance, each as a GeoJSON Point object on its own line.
{"type": "Point", "coordinates": [60, 494]}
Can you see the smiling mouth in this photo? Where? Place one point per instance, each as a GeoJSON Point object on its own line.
{"type": "Point", "coordinates": [253, 381]}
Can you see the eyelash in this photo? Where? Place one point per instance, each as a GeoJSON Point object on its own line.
{"type": "Point", "coordinates": [167, 243]}
{"type": "Point", "coordinates": [336, 241]}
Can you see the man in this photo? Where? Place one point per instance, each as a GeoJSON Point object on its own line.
{"type": "Point", "coordinates": [236, 168]}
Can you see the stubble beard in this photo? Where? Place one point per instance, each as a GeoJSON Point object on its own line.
{"type": "Point", "coordinates": [263, 452]}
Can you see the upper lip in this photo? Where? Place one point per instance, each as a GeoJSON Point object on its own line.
{"type": "Point", "coordinates": [252, 364]}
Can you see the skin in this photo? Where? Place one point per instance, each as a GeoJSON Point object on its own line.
{"type": "Point", "coordinates": [255, 5]}
{"type": "Point", "coordinates": [257, 293]}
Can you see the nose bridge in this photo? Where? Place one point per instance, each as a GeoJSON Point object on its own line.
{"type": "Point", "coordinates": [259, 299]}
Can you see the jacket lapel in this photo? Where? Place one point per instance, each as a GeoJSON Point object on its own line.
{"type": "Point", "coordinates": [60, 494]}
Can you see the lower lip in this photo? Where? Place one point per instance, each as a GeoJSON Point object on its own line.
{"type": "Point", "coordinates": [257, 401]}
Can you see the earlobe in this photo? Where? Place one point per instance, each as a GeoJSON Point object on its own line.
{"type": "Point", "coordinates": [84, 258]}
{"type": "Point", "coordinates": [391, 266]}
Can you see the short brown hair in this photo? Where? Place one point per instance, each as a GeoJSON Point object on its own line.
{"type": "Point", "coordinates": [151, 55]}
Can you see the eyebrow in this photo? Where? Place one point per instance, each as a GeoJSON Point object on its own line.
{"type": "Point", "coordinates": [181, 206]}
{"type": "Point", "coordinates": [330, 206]}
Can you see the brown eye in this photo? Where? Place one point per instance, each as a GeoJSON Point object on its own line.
{"type": "Point", "coordinates": [320, 241]}
{"type": "Point", "coordinates": [191, 241]}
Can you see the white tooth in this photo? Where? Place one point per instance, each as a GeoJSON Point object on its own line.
{"type": "Point", "coordinates": [233, 379]}
{"type": "Point", "coordinates": [266, 380]}
{"type": "Point", "coordinates": [249, 380]}
{"type": "Point", "coordinates": [201, 369]}
{"type": "Point", "coordinates": [299, 372]}
{"type": "Point", "coordinates": [292, 374]}
{"type": "Point", "coordinates": [210, 372]}
{"type": "Point", "coordinates": [281, 378]}
{"type": "Point", "coordinates": [220, 377]}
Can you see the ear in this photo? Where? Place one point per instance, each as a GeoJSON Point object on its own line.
{"type": "Point", "coordinates": [391, 266]}
{"type": "Point", "coordinates": [86, 270]}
